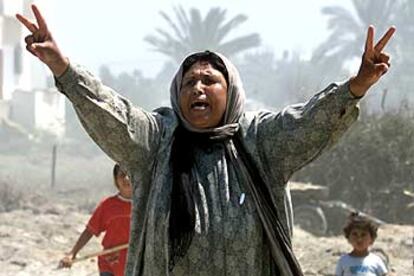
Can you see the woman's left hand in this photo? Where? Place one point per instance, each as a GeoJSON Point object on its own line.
{"type": "Point", "coordinates": [374, 64]}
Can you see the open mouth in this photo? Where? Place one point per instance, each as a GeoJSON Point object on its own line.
{"type": "Point", "coordinates": [199, 105]}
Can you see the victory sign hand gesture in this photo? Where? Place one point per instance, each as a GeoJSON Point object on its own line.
{"type": "Point", "coordinates": [41, 43]}
{"type": "Point", "coordinates": [374, 64]}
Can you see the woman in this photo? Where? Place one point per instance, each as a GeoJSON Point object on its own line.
{"type": "Point", "coordinates": [212, 197]}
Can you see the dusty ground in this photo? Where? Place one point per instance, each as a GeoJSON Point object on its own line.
{"type": "Point", "coordinates": [44, 223]}
{"type": "Point", "coordinates": [34, 238]}
{"type": "Point", "coordinates": [318, 255]}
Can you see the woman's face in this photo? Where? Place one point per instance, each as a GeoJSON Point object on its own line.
{"type": "Point", "coordinates": [203, 95]}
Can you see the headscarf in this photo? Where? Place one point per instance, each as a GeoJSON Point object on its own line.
{"type": "Point", "coordinates": [235, 99]}
{"type": "Point", "coordinates": [182, 210]}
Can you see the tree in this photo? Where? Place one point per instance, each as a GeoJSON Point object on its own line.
{"type": "Point", "coordinates": [347, 38]}
{"type": "Point", "coordinates": [347, 29]}
{"type": "Point", "coordinates": [147, 92]}
{"type": "Point", "coordinates": [404, 58]}
{"type": "Point", "coordinates": [191, 32]}
{"type": "Point", "coordinates": [375, 158]}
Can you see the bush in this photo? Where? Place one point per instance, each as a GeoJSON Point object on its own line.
{"type": "Point", "coordinates": [376, 157]}
{"type": "Point", "coordinates": [10, 198]}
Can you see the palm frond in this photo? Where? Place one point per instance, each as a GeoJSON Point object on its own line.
{"type": "Point", "coordinates": [191, 32]}
{"type": "Point", "coordinates": [212, 22]}
{"type": "Point", "coordinates": [196, 28]}
{"type": "Point", "coordinates": [230, 25]}
{"type": "Point", "coordinates": [178, 32]}
{"type": "Point", "coordinates": [182, 18]}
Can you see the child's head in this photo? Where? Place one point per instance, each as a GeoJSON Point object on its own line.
{"type": "Point", "coordinates": [122, 182]}
{"type": "Point", "coordinates": [360, 231]}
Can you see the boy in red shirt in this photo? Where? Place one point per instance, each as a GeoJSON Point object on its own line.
{"type": "Point", "coordinates": [112, 216]}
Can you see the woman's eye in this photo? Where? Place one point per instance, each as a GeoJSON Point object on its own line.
{"type": "Point", "coordinates": [205, 81]}
{"type": "Point", "coordinates": [192, 82]}
{"type": "Point", "coordinates": [209, 81]}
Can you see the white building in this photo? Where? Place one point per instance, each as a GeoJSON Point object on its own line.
{"type": "Point", "coordinates": [24, 96]}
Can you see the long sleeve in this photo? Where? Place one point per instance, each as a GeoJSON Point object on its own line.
{"type": "Point", "coordinates": [297, 135]}
{"type": "Point", "coordinates": [128, 134]}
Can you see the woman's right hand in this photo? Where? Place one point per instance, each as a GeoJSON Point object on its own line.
{"type": "Point", "coordinates": [41, 43]}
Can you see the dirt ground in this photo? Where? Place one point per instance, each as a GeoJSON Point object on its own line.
{"type": "Point", "coordinates": [318, 255]}
{"type": "Point", "coordinates": [35, 237]}
{"type": "Point", "coordinates": [46, 222]}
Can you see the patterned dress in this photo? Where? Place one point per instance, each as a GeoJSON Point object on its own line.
{"type": "Point", "coordinates": [229, 238]}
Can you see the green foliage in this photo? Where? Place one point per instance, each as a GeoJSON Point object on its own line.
{"type": "Point", "coordinates": [190, 32]}
{"type": "Point", "coordinates": [376, 157]}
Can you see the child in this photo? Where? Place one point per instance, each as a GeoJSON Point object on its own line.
{"type": "Point", "coordinates": [360, 232]}
{"type": "Point", "coordinates": [112, 216]}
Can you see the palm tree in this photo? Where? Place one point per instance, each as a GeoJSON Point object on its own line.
{"type": "Point", "coordinates": [405, 45]}
{"type": "Point", "coordinates": [191, 32]}
{"type": "Point", "coordinates": [404, 24]}
{"type": "Point", "coordinates": [348, 34]}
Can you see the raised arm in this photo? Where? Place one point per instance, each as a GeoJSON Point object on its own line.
{"type": "Point", "coordinates": [300, 133]}
{"type": "Point", "coordinates": [126, 133]}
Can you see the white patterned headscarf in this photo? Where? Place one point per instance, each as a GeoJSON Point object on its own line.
{"type": "Point", "coordinates": [235, 100]}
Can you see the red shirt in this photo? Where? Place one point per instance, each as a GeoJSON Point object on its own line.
{"type": "Point", "coordinates": [112, 216]}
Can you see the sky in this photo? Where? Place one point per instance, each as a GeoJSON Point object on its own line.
{"type": "Point", "coordinates": [96, 32]}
